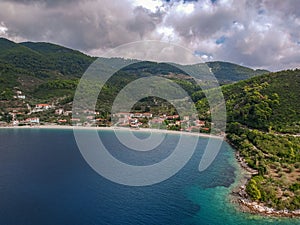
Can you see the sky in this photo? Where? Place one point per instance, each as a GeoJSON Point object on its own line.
{"type": "Point", "coordinates": [255, 33]}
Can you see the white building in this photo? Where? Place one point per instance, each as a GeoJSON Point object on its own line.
{"type": "Point", "coordinates": [59, 111]}
{"type": "Point", "coordinates": [21, 96]}
{"type": "Point", "coordinates": [33, 120]}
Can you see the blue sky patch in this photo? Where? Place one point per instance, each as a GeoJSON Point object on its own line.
{"type": "Point", "coordinates": [221, 40]}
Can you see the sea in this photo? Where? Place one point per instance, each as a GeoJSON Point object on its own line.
{"type": "Point", "coordinates": [44, 180]}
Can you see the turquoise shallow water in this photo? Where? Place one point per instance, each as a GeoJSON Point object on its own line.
{"type": "Point", "coordinates": [216, 211]}
{"type": "Point", "coordinates": [45, 180]}
{"type": "Point", "coordinates": [217, 208]}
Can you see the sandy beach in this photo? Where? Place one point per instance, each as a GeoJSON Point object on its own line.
{"type": "Point", "coordinates": [114, 128]}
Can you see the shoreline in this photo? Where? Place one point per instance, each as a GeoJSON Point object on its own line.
{"type": "Point", "coordinates": [241, 201]}
{"type": "Point", "coordinates": [67, 127]}
{"type": "Point", "coordinates": [238, 196]}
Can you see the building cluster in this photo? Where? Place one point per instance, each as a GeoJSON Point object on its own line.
{"type": "Point", "coordinates": [19, 95]}
{"type": "Point", "coordinates": [34, 115]}
{"type": "Point", "coordinates": [31, 120]}
{"type": "Point", "coordinates": [136, 120]}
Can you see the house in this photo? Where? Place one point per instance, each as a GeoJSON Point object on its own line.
{"type": "Point", "coordinates": [90, 117]}
{"type": "Point", "coordinates": [178, 123]}
{"type": "Point", "coordinates": [33, 120]}
{"type": "Point", "coordinates": [137, 115]}
{"type": "Point", "coordinates": [200, 123]}
{"type": "Point", "coordinates": [133, 121]}
{"type": "Point", "coordinates": [41, 107]}
{"type": "Point", "coordinates": [15, 122]}
{"type": "Point", "coordinates": [21, 96]}
{"type": "Point", "coordinates": [62, 121]}
{"type": "Point", "coordinates": [205, 129]}
{"type": "Point", "coordinates": [173, 117]}
{"type": "Point", "coordinates": [59, 111]}
{"type": "Point", "coordinates": [147, 115]}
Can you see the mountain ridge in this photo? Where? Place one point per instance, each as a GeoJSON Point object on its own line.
{"type": "Point", "coordinates": [28, 65]}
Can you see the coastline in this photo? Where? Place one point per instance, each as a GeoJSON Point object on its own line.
{"type": "Point", "coordinates": [238, 196]}
{"type": "Point", "coordinates": [115, 128]}
{"type": "Point", "coordinates": [241, 200]}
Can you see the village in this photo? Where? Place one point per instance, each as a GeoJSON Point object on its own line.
{"type": "Point", "coordinates": [23, 113]}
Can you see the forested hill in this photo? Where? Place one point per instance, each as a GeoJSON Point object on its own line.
{"type": "Point", "coordinates": [268, 102]}
{"type": "Point", "coordinates": [264, 126]}
{"type": "Point", "coordinates": [28, 65]}
{"type": "Point", "coordinates": [227, 72]}
{"type": "Point", "coordinates": [44, 60]}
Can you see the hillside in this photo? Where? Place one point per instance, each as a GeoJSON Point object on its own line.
{"type": "Point", "coordinates": [66, 61]}
{"type": "Point", "coordinates": [28, 65]}
{"type": "Point", "coordinates": [264, 126]}
{"type": "Point", "coordinates": [44, 60]}
{"type": "Point", "coordinates": [228, 72]}
{"type": "Point", "coordinates": [269, 102]}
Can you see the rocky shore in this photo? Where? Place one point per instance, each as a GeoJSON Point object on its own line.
{"type": "Point", "coordinates": [241, 198]}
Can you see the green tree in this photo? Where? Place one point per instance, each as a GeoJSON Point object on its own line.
{"type": "Point", "coordinates": [253, 190]}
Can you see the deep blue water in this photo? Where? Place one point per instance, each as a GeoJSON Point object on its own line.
{"type": "Point", "coordinates": [44, 180]}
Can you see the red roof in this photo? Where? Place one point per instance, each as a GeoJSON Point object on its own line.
{"type": "Point", "coordinates": [43, 105]}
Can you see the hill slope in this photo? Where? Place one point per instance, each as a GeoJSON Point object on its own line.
{"type": "Point", "coordinates": [262, 111]}
{"type": "Point", "coordinates": [64, 60]}
{"type": "Point", "coordinates": [268, 102]}
{"type": "Point", "coordinates": [45, 72]}
{"type": "Point", "coordinates": [229, 72]}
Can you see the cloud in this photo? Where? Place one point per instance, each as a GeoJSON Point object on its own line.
{"type": "Point", "coordinates": [45, 2]}
{"type": "Point", "coordinates": [258, 33]}
{"type": "Point", "coordinates": [252, 33]}
{"type": "Point", "coordinates": [144, 21]}
{"type": "Point", "coordinates": [86, 25]}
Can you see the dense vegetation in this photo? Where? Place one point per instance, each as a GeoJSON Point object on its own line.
{"type": "Point", "coordinates": [277, 160]}
{"type": "Point", "coordinates": [269, 102]}
{"type": "Point", "coordinates": [28, 65]}
{"type": "Point", "coordinates": [225, 70]}
{"type": "Point", "coordinates": [263, 124]}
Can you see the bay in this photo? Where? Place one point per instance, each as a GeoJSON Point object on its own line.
{"type": "Point", "coordinates": [45, 180]}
